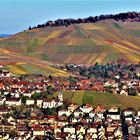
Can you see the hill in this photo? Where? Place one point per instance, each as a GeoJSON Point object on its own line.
{"type": "Point", "coordinates": [27, 68]}
{"type": "Point", "coordinates": [106, 99]}
{"type": "Point", "coordinates": [86, 43]}
{"type": "Point", "coordinates": [4, 35]}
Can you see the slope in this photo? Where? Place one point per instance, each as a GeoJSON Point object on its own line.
{"type": "Point", "coordinates": [87, 43]}
{"type": "Point", "coordinates": [107, 99]}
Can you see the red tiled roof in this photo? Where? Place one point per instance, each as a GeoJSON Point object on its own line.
{"type": "Point", "coordinates": [1, 85]}
{"type": "Point", "coordinates": [50, 100]}
{"type": "Point", "coordinates": [13, 99]}
{"type": "Point", "coordinates": [52, 117]}
{"type": "Point", "coordinates": [88, 105]}
{"type": "Point", "coordinates": [62, 134]}
{"type": "Point", "coordinates": [129, 109]}
{"type": "Point", "coordinates": [35, 117]}
{"type": "Point", "coordinates": [4, 109]}
{"type": "Point", "coordinates": [38, 128]}
{"type": "Point", "coordinates": [22, 128]}
{"type": "Point", "coordinates": [23, 83]}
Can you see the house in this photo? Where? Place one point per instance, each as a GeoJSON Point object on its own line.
{"type": "Point", "coordinates": [80, 136]}
{"type": "Point", "coordinates": [118, 133]}
{"type": "Point", "coordinates": [1, 66]}
{"type": "Point", "coordinates": [137, 126]}
{"type": "Point", "coordinates": [138, 113]}
{"type": "Point", "coordinates": [6, 137]}
{"type": "Point", "coordinates": [129, 118]}
{"type": "Point", "coordinates": [13, 101]}
{"type": "Point", "coordinates": [51, 119]}
{"type": "Point", "coordinates": [108, 120]}
{"type": "Point", "coordinates": [99, 108]}
{"type": "Point", "coordinates": [98, 86]}
{"type": "Point", "coordinates": [92, 129]}
{"type": "Point", "coordinates": [21, 119]}
{"type": "Point", "coordinates": [2, 86]}
{"type": "Point", "coordinates": [92, 137]}
{"type": "Point", "coordinates": [124, 92]}
{"type": "Point", "coordinates": [61, 135]}
{"type": "Point", "coordinates": [7, 127]}
{"type": "Point", "coordinates": [74, 120]}
{"type": "Point", "coordinates": [64, 112]}
{"type": "Point", "coordinates": [124, 87]}
{"type": "Point", "coordinates": [99, 115]}
{"type": "Point", "coordinates": [69, 129]}
{"type": "Point", "coordinates": [71, 137]}
{"type": "Point", "coordinates": [72, 107]}
{"type": "Point", "coordinates": [39, 102]}
{"type": "Point", "coordinates": [129, 111]}
{"type": "Point", "coordinates": [27, 135]}
{"type": "Point", "coordinates": [50, 103]}
{"type": "Point", "coordinates": [101, 135]}
{"type": "Point", "coordinates": [86, 108]}
{"type": "Point", "coordinates": [5, 73]}
{"type": "Point", "coordinates": [28, 94]}
{"type": "Point", "coordinates": [111, 128]}
{"type": "Point", "coordinates": [109, 83]}
{"type": "Point", "coordinates": [60, 96]}
{"type": "Point", "coordinates": [36, 112]}
{"type": "Point", "coordinates": [113, 109]}
{"type": "Point", "coordinates": [30, 101]}
{"type": "Point", "coordinates": [132, 129]}
{"type": "Point", "coordinates": [11, 120]}
{"type": "Point", "coordinates": [78, 112]}
{"type": "Point", "coordinates": [114, 115]}
{"type": "Point", "coordinates": [80, 129]}
{"type": "Point", "coordinates": [91, 114]}
{"type": "Point", "coordinates": [110, 135]}
{"type": "Point", "coordinates": [133, 137]}
{"type": "Point", "coordinates": [14, 92]}
{"type": "Point", "coordinates": [6, 92]}
{"type": "Point", "coordinates": [4, 110]}
{"type": "Point", "coordinates": [35, 119]}
{"type": "Point", "coordinates": [38, 130]}
{"type": "Point", "coordinates": [2, 100]}
{"type": "Point", "coordinates": [16, 95]}
{"type": "Point", "coordinates": [60, 124]}
{"type": "Point", "coordinates": [22, 130]}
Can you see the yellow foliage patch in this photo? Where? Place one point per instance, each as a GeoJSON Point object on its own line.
{"type": "Point", "coordinates": [20, 63]}
{"type": "Point", "coordinates": [78, 58]}
{"type": "Point", "coordinates": [110, 34]}
{"type": "Point", "coordinates": [101, 58]}
{"type": "Point", "coordinates": [4, 51]}
{"type": "Point", "coordinates": [128, 53]}
{"type": "Point", "coordinates": [53, 71]}
{"type": "Point", "coordinates": [123, 48]}
{"type": "Point", "coordinates": [73, 41]}
{"type": "Point", "coordinates": [90, 26]}
{"type": "Point", "coordinates": [92, 59]}
{"type": "Point", "coordinates": [130, 44]}
{"type": "Point", "coordinates": [53, 34]}
{"type": "Point", "coordinates": [15, 70]}
{"type": "Point", "coordinates": [132, 58]}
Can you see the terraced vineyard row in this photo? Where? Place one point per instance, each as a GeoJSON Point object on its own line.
{"type": "Point", "coordinates": [107, 99]}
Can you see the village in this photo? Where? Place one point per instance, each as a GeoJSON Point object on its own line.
{"type": "Point", "coordinates": [113, 78]}
{"type": "Point", "coordinates": [29, 109]}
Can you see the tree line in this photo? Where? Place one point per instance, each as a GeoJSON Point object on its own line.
{"type": "Point", "coordinates": [133, 16]}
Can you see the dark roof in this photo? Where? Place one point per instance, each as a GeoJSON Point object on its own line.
{"type": "Point", "coordinates": [113, 113]}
